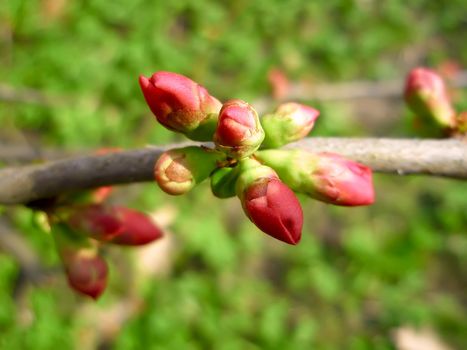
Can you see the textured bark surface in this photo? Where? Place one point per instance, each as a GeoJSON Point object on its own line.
{"type": "Point", "coordinates": [24, 184]}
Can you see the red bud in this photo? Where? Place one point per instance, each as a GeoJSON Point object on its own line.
{"type": "Point", "coordinates": [87, 273]}
{"type": "Point", "coordinates": [138, 228]}
{"type": "Point", "coordinates": [239, 131]}
{"type": "Point", "coordinates": [340, 181]}
{"type": "Point", "coordinates": [274, 208]}
{"type": "Point", "coordinates": [178, 103]}
{"type": "Point", "coordinates": [96, 221]}
{"type": "Point", "coordinates": [426, 94]}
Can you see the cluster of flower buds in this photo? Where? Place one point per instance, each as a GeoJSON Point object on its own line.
{"type": "Point", "coordinates": [82, 223]}
{"type": "Point", "coordinates": [427, 96]}
{"type": "Point", "coordinates": [243, 162]}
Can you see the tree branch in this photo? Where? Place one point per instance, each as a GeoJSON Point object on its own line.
{"type": "Point", "coordinates": [400, 156]}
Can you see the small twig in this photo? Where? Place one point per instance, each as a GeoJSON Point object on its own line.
{"type": "Point", "coordinates": [28, 183]}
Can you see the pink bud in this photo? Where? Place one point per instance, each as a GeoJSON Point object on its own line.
{"type": "Point", "coordinates": [290, 122]}
{"type": "Point", "coordinates": [179, 103]}
{"type": "Point", "coordinates": [274, 208]}
{"type": "Point", "coordinates": [138, 228]}
{"type": "Point", "coordinates": [87, 273]}
{"type": "Point", "coordinates": [426, 94]}
{"type": "Point", "coordinates": [172, 173]}
{"type": "Point", "coordinates": [239, 132]}
{"type": "Point", "coordinates": [340, 181]}
{"type": "Point", "coordinates": [96, 221]}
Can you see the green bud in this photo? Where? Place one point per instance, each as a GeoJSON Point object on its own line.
{"type": "Point", "coordinates": [289, 123]}
{"type": "Point", "coordinates": [290, 165]}
{"type": "Point", "coordinates": [178, 170]}
{"type": "Point", "coordinates": [223, 182]}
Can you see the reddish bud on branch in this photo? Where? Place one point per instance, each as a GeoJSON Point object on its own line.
{"type": "Point", "coordinates": [178, 170]}
{"type": "Point", "coordinates": [269, 203]}
{"type": "Point", "coordinates": [87, 273]}
{"type": "Point", "coordinates": [275, 209]}
{"type": "Point", "coordinates": [96, 221]}
{"type": "Point", "coordinates": [340, 181]}
{"type": "Point", "coordinates": [427, 96]}
{"type": "Point", "coordinates": [138, 228]}
{"type": "Point", "coordinates": [86, 270]}
{"type": "Point", "coordinates": [239, 132]}
{"type": "Point", "coordinates": [327, 177]}
{"type": "Point", "coordinates": [181, 105]}
{"type": "Point", "coordinates": [290, 122]}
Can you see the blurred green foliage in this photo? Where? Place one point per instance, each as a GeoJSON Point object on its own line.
{"type": "Point", "coordinates": [358, 274]}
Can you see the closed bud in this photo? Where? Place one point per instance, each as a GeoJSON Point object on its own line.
{"type": "Point", "coordinates": [96, 221]}
{"type": "Point", "coordinates": [269, 203]}
{"type": "Point", "coordinates": [289, 123]}
{"type": "Point", "coordinates": [138, 228]}
{"type": "Point", "coordinates": [177, 171]}
{"type": "Point", "coordinates": [223, 182]}
{"type": "Point", "coordinates": [181, 105]}
{"type": "Point", "coordinates": [239, 132]}
{"type": "Point", "coordinates": [426, 95]}
{"type": "Point", "coordinates": [326, 177]}
{"type": "Point", "coordinates": [85, 269]}
{"type": "Point", "coordinates": [87, 273]}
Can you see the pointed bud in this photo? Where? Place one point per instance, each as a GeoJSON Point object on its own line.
{"type": "Point", "coordinates": [138, 228]}
{"type": "Point", "coordinates": [326, 177]}
{"type": "Point", "coordinates": [181, 105]}
{"type": "Point", "coordinates": [87, 274]}
{"type": "Point", "coordinates": [239, 132]}
{"type": "Point", "coordinates": [223, 182]}
{"type": "Point", "coordinates": [177, 171]}
{"type": "Point", "coordinates": [86, 271]}
{"type": "Point", "coordinates": [289, 123]}
{"type": "Point", "coordinates": [96, 221]}
{"type": "Point", "coordinates": [426, 95]}
{"type": "Point", "coordinates": [269, 203]}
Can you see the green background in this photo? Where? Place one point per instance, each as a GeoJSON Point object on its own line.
{"type": "Point", "coordinates": [358, 276]}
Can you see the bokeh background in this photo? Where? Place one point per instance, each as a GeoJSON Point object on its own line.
{"type": "Point", "coordinates": [389, 276]}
